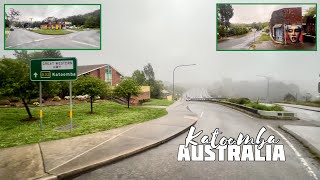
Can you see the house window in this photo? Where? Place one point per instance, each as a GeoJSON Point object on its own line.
{"type": "Point", "coordinates": [108, 75]}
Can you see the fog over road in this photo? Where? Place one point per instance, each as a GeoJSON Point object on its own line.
{"type": "Point", "coordinates": [24, 39]}
{"type": "Point", "coordinates": [161, 162]}
{"type": "Point", "coordinates": [239, 43]}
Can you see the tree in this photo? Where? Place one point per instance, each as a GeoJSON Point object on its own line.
{"type": "Point", "coordinates": [127, 88]}
{"type": "Point", "coordinates": [139, 77]}
{"type": "Point", "coordinates": [15, 81]}
{"type": "Point", "coordinates": [92, 86]}
{"type": "Point", "coordinates": [51, 54]}
{"type": "Point", "coordinates": [149, 73]}
{"type": "Point", "coordinates": [12, 15]}
{"type": "Point", "coordinates": [225, 13]}
{"type": "Point", "coordinates": [289, 97]}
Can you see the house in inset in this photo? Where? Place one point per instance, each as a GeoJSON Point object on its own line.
{"type": "Point", "coordinates": [286, 25]}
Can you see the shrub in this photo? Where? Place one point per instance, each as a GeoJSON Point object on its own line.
{"type": "Point", "coordinates": [264, 107]}
{"type": "Point", "coordinates": [240, 100]}
{"type": "Point", "coordinates": [14, 99]}
{"type": "Point", "coordinates": [56, 98]}
{"type": "Point", "coordinates": [4, 102]}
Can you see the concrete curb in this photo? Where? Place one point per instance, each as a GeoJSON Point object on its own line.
{"type": "Point", "coordinates": [76, 172]}
{"type": "Point", "coordinates": [313, 149]}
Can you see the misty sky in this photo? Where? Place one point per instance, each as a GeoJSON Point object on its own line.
{"type": "Point", "coordinates": [168, 33]}
{"type": "Point", "coordinates": [259, 13]}
{"type": "Point", "coordinates": [40, 12]}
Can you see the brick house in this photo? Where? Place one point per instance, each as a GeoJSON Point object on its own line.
{"type": "Point", "coordinates": [113, 77]}
{"type": "Point", "coordinates": [101, 71]}
{"type": "Point", "coordinates": [286, 25]}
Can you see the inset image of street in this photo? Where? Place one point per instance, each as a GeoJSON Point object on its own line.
{"type": "Point", "coordinates": [61, 27]}
{"type": "Point", "coordinates": [283, 27]}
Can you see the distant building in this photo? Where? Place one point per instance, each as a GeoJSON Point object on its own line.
{"type": "Point", "coordinates": [101, 71]}
{"type": "Point", "coordinates": [286, 25]}
{"type": "Point", "coordinates": [53, 23]}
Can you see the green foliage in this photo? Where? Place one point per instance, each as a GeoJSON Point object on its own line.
{"type": "Point", "coordinates": [311, 12]}
{"type": "Point", "coordinates": [237, 30]}
{"type": "Point", "coordinates": [225, 13]}
{"type": "Point", "coordinates": [127, 88]}
{"type": "Point", "coordinates": [26, 56]}
{"type": "Point", "coordinates": [240, 100]}
{"type": "Point", "coordinates": [52, 31]}
{"type": "Point", "coordinates": [264, 37]}
{"type": "Point", "coordinates": [91, 20]}
{"type": "Point", "coordinates": [139, 77]}
{"type": "Point", "coordinates": [108, 115]}
{"type": "Point", "coordinates": [289, 97]}
{"type": "Point", "coordinates": [248, 103]}
{"type": "Point", "coordinates": [91, 86]}
{"type": "Point", "coordinates": [15, 81]}
{"type": "Point", "coordinates": [158, 102]}
{"type": "Point", "coordinates": [12, 15]}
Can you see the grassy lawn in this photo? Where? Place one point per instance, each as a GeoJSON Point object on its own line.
{"type": "Point", "coordinates": [264, 37]}
{"type": "Point", "coordinates": [107, 115]}
{"type": "Point", "coordinates": [158, 102]}
{"type": "Point", "coordinates": [52, 32]}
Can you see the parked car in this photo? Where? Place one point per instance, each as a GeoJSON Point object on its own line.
{"type": "Point", "coordinates": [11, 29]}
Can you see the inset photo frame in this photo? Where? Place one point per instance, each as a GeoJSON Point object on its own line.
{"type": "Point", "coordinates": [52, 26]}
{"type": "Point", "coordinates": [266, 27]}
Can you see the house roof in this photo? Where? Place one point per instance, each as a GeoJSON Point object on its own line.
{"type": "Point", "coordinates": [89, 68]}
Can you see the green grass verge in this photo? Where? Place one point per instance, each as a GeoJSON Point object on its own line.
{"type": "Point", "coordinates": [248, 103]}
{"type": "Point", "coordinates": [158, 102]}
{"type": "Point", "coordinates": [264, 37]}
{"type": "Point", "coordinates": [107, 115]}
{"type": "Point", "coordinates": [52, 32]}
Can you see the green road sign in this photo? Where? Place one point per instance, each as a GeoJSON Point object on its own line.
{"type": "Point", "coordinates": [53, 69]}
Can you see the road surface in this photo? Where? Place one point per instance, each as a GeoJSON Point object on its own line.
{"type": "Point", "coordinates": [161, 162]}
{"type": "Point", "coordinates": [304, 112]}
{"type": "Point", "coordinates": [239, 43]}
{"type": "Point", "coordinates": [24, 39]}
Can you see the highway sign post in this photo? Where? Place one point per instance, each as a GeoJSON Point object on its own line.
{"type": "Point", "coordinates": [54, 69]}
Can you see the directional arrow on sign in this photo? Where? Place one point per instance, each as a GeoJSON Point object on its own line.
{"type": "Point", "coordinates": [35, 75]}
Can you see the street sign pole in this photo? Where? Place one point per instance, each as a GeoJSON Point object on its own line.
{"type": "Point", "coordinates": [70, 89]}
{"type": "Point", "coordinates": [54, 69]}
{"type": "Point", "coordinates": [40, 99]}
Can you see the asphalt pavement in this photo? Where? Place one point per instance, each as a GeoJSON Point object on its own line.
{"type": "Point", "coordinates": [307, 113]}
{"type": "Point", "coordinates": [161, 162]}
{"type": "Point", "coordinates": [24, 39]}
{"type": "Point", "coordinates": [239, 43]}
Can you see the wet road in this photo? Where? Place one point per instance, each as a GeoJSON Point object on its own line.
{"type": "Point", "coordinates": [161, 162]}
{"type": "Point", "coordinates": [239, 43]}
{"type": "Point", "coordinates": [313, 114]}
{"type": "Point", "coordinates": [24, 39]}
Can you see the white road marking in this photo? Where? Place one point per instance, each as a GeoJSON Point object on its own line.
{"type": "Point", "coordinates": [190, 117]}
{"type": "Point", "coordinates": [43, 39]}
{"type": "Point", "coordinates": [304, 162]}
{"type": "Point", "coordinates": [201, 114]}
{"type": "Point", "coordinates": [93, 148]}
{"type": "Point", "coordinates": [85, 44]}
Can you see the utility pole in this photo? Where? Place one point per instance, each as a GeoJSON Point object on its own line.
{"type": "Point", "coordinates": [31, 22]}
{"type": "Point", "coordinates": [173, 77]}
{"type": "Point", "coordinates": [268, 80]}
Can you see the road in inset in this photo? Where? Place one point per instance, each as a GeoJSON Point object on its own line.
{"type": "Point", "coordinates": [161, 162]}
{"type": "Point", "coordinates": [24, 39]}
{"type": "Point", "coordinates": [239, 43]}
